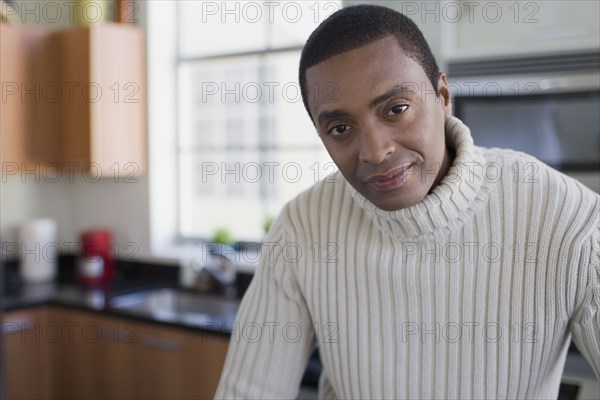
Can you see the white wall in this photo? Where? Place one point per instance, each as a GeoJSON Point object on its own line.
{"type": "Point", "coordinates": [458, 29]}
{"type": "Point", "coordinates": [415, 10]}
{"type": "Point", "coordinates": [77, 206]}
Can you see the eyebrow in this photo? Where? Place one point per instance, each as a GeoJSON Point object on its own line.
{"type": "Point", "coordinates": [395, 91]}
{"type": "Point", "coordinates": [331, 114]}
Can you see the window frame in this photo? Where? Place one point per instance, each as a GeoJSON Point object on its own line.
{"type": "Point", "coordinates": [164, 59]}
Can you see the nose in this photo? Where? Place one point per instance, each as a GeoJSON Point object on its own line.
{"type": "Point", "coordinates": [376, 144]}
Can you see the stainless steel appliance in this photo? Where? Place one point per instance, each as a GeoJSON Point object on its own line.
{"type": "Point", "coordinates": [547, 106]}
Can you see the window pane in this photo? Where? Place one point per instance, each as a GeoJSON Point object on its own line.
{"type": "Point", "coordinates": [290, 23]}
{"type": "Point", "coordinates": [246, 143]}
{"type": "Point", "coordinates": [292, 172]}
{"type": "Point", "coordinates": [221, 27]}
{"type": "Point", "coordinates": [238, 190]}
{"type": "Point", "coordinates": [220, 190]}
{"type": "Point", "coordinates": [294, 128]}
{"type": "Point", "coordinates": [220, 103]}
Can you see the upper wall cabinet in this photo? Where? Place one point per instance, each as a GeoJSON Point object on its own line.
{"type": "Point", "coordinates": [76, 99]}
{"type": "Point", "coordinates": [103, 120]}
{"type": "Point", "coordinates": [28, 114]}
{"type": "Point", "coordinates": [477, 29]}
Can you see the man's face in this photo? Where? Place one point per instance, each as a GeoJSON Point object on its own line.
{"type": "Point", "coordinates": [377, 114]}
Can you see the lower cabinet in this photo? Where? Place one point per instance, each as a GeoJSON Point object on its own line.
{"type": "Point", "coordinates": [89, 360]}
{"type": "Point", "coordinates": [26, 364]}
{"type": "Point", "coordinates": [95, 356]}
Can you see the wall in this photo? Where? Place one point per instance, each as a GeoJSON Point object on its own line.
{"type": "Point", "coordinates": [416, 10]}
{"type": "Point", "coordinates": [457, 29]}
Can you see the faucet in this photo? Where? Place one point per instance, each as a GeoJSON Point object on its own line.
{"type": "Point", "coordinates": [218, 269]}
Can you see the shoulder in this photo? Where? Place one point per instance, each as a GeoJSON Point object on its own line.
{"type": "Point", "coordinates": [302, 219]}
{"type": "Point", "coordinates": [523, 175]}
{"type": "Point", "coordinates": [312, 206]}
{"type": "Point", "coordinates": [318, 198]}
{"type": "Point", "coordinates": [523, 168]}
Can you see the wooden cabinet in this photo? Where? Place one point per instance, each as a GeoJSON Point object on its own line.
{"type": "Point", "coordinates": [26, 360]}
{"type": "Point", "coordinates": [13, 72]}
{"type": "Point", "coordinates": [103, 120]}
{"type": "Point", "coordinates": [28, 106]}
{"type": "Point", "coordinates": [85, 355]}
{"type": "Point", "coordinates": [93, 359]}
{"type": "Point", "coordinates": [76, 99]}
{"type": "Point", "coordinates": [176, 364]}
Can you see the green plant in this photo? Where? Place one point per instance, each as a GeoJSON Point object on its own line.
{"type": "Point", "coordinates": [223, 236]}
{"type": "Point", "coordinates": [268, 222]}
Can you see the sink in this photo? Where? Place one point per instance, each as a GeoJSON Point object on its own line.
{"type": "Point", "coordinates": [172, 305]}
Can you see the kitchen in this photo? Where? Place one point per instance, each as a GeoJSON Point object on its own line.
{"type": "Point", "coordinates": [151, 200]}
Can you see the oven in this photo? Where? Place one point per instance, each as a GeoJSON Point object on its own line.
{"type": "Point", "coordinates": [547, 106]}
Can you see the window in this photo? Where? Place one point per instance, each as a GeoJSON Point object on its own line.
{"type": "Point", "coordinates": [245, 144]}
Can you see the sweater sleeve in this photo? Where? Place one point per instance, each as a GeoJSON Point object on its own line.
{"type": "Point", "coordinates": [273, 337]}
{"type": "Point", "coordinates": [585, 324]}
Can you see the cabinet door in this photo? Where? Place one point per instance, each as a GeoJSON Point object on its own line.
{"type": "Point", "coordinates": [13, 61]}
{"type": "Point", "coordinates": [107, 357]}
{"type": "Point", "coordinates": [174, 363]}
{"type": "Point", "coordinates": [75, 99]}
{"type": "Point", "coordinates": [26, 363]}
{"type": "Point", "coordinates": [104, 125]}
{"type": "Point", "coordinates": [93, 358]}
{"type": "Point", "coordinates": [28, 104]}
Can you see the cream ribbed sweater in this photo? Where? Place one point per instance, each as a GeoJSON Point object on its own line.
{"type": "Point", "coordinates": [473, 293]}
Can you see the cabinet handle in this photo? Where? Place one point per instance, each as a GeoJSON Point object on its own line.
{"type": "Point", "coordinates": [123, 333]}
{"type": "Point", "coordinates": [109, 333]}
{"type": "Point", "coordinates": [12, 327]}
{"type": "Point", "coordinates": [161, 344]}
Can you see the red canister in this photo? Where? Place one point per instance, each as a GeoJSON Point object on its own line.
{"type": "Point", "coordinates": [96, 264]}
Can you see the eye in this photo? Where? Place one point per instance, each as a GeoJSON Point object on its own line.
{"type": "Point", "coordinates": [398, 109]}
{"type": "Point", "coordinates": [338, 130]}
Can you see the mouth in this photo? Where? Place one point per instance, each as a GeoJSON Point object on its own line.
{"type": "Point", "coordinates": [390, 180]}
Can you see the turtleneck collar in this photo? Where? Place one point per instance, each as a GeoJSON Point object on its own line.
{"type": "Point", "coordinates": [455, 194]}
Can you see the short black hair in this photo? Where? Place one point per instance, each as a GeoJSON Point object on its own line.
{"type": "Point", "coordinates": [352, 27]}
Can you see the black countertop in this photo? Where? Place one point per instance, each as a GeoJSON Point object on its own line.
{"type": "Point", "coordinates": [99, 299]}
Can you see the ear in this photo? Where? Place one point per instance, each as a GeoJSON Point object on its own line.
{"type": "Point", "coordinates": [444, 96]}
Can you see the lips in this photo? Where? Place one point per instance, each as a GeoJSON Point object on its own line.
{"type": "Point", "coordinates": [390, 180]}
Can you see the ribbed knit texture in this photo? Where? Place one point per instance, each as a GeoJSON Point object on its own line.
{"type": "Point", "coordinates": [473, 293]}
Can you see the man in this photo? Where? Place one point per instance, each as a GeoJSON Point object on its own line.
{"type": "Point", "coordinates": [420, 271]}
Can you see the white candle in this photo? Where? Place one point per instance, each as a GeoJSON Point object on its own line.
{"type": "Point", "coordinates": [38, 250]}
